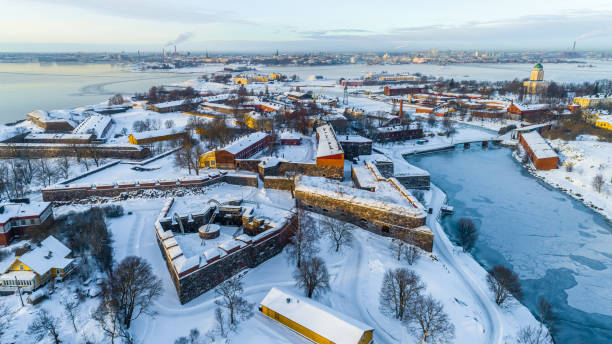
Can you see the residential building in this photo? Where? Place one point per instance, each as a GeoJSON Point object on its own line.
{"type": "Point", "coordinates": [51, 259]}
{"type": "Point", "coordinates": [604, 121]}
{"type": "Point", "coordinates": [593, 100]}
{"type": "Point", "coordinates": [16, 218]}
{"type": "Point", "coordinates": [243, 148]}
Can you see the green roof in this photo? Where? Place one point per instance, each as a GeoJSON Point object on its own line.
{"type": "Point", "coordinates": [538, 66]}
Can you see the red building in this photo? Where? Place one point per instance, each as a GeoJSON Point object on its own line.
{"type": "Point", "coordinates": [15, 218]}
{"type": "Point", "coordinates": [401, 91]}
{"type": "Point", "coordinates": [290, 138]}
{"type": "Point", "coordinates": [243, 148]}
{"type": "Point", "coordinates": [540, 153]}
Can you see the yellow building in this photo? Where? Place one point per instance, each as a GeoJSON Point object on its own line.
{"type": "Point", "coordinates": [536, 83]}
{"type": "Point", "coordinates": [147, 137]}
{"type": "Point", "coordinates": [36, 267]}
{"type": "Point", "coordinates": [258, 121]}
{"type": "Point", "coordinates": [208, 159]}
{"type": "Point", "coordinates": [259, 78]}
{"type": "Point", "coordinates": [604, 122]}
{"type": "Point", "coordinates": [313, 320]}
{"type": "Point", "coordinates": [241, 81]}
{"type": "Point", "coordinates": [591, 101]}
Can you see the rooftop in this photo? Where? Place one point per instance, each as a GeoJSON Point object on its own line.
{"type": "Point", "coordinates": [335, 326]}
{"type": "Point", "coordinates": [328, 143]}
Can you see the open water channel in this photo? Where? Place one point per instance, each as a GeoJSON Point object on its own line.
{"type": "Point", "coordinates": [561, 249]}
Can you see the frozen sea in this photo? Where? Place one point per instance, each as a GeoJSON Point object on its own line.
{"type": "Point", "coordinates": [29, 86]}
{"type": "Point", "coordinates": [561, 249]}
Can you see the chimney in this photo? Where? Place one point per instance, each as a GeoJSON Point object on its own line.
{"type": "Point", "coordinates": [175, 50]}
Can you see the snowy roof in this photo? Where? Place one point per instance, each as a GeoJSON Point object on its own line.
{"type": "Point", "coordinates": [605, 118]}
{"type": "Point", "coordinates": [597, 96]}
{"type": "Point", "coordinates": [244, 142]}
{"type": "Point", "coordinates": [533, 127]}
{"type": "Point", "coordinates": [178, 102]}
{"type": "Point", "coordinates": [50, 254]}
{"type": "Point", "coordinates": [353, 139]}
{"type": "Point", "coordinates": [157, 133]}
{"type": "Point", "coordinates": [49, 136]}
{"type": "Point", "coordinates": [531, 107]}
{"type": "Point", "coordinates": [364, 177]}
{"type": "Point", "coordinates": [52, 116]}
{"type": "Point", "coordinates": [289, 135]}
{"type": "Point", "coordinates": [335, 326]}
{"type": "Point", "coordinates": [13, 211]}
{"type": "Point", "coordinates": [538, 145]}
{"type": "Point", "coordinates": [328, 143]}
{"type": "Point", "coordinates": [96, 124]}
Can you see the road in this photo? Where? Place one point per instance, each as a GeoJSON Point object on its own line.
{"type": "Point", "coordinates": [443, 249]}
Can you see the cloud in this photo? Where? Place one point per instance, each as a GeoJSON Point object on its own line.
{"type": "Point", "coordinates": [525, 32]}
{"type": "Point", "coordinates": [183, 11]}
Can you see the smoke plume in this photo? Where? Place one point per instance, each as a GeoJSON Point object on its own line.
{"type": "Point", "coordinates": [185, 36]}
{"type": "Point", "coordinates": [595, 33]}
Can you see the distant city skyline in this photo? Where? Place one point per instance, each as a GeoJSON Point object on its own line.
{"type": "Point", "coordinates": [264, 26]}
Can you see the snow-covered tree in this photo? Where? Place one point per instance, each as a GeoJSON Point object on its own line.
{"type": "Point", "coordinates": [429, 321]}
{"type": "Point", "coordinates": [230, 293]}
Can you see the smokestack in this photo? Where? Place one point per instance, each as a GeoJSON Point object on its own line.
{"type": "Point", "coordinates": [574, 47]}
{"type": "Point", "coordinates": [175, 50]}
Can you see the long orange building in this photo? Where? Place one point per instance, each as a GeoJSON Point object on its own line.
{"type": "Point", "coordinates": [329, 150]}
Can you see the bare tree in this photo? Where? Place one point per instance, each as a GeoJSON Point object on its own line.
{"type": "Point", "coordinates": [132, 287]}
{"type": "Point", "coordinates": [46, 171]}
{"type": "Point", "coordinates": [107, 317]}
{"type": "Point", "coordinates": [220, 320]}
{"type": "Point", "coordinates": [62, 167]}
{"type": "Point", "coordinates": [503, 283]}
{"type": "Point", "coordinates": [430, 322]}
{"type": "Point", "coordinates": [431, 120]}
{"type": "Point", "coordinates": [6, 317]}
{"type": "Point", "coordinates": [466, 233]}
{"type": "Point", "coordinates": [400, 289]}
{"type": "Point", "coordinates": [117, 99]}
{"type": "Point", "coordinates": [534, 335]}
{"type": "Point", "coordinates": [192, 338]}
{"type": "Point", "coordinates": [303, 243]}
{"type": "Point", "coordinates": [312, 276]}
{"type": "Point", "coordinates": [230, 293]}
{"type": "Point", "coordinates": [598, 182]}
{"type": "Point", "coordinates": [338, 231]}
{"type": "Point", "coordinates": [411, 254]}
{"type": "Point", "coordinates": [45, 325]}
{"type": "Point", "coordinates": [546, 315]}
{"type": "Point", "coordinates": [71, 309]}
{"type": "Point", "coordinates": [398, 247]}
{"type": "Point", "coordinates": [189, 155]}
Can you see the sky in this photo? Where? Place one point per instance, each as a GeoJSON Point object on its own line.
{"type": "Point", "coordinates": [303, 26]}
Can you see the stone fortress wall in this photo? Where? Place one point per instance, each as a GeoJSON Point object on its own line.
{"type": "Point", "coordinates": [194, 276]}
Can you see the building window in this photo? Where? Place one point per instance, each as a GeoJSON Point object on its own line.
{"type": "Point", "coordinates": [20, 267]}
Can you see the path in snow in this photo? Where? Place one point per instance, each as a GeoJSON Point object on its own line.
{"type": "Point", "coordinates": [443, 249]}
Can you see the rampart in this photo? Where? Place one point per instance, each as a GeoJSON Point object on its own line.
{"type": "Point", "coordinates": [44, 150]}
{"type": "Point", "coordinates": [74, 192]}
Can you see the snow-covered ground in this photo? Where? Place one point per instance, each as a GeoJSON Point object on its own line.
{"type": "Point", "coordinates": [451, 276]}
{"type": "Point", "coordinates": [589, 157]}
